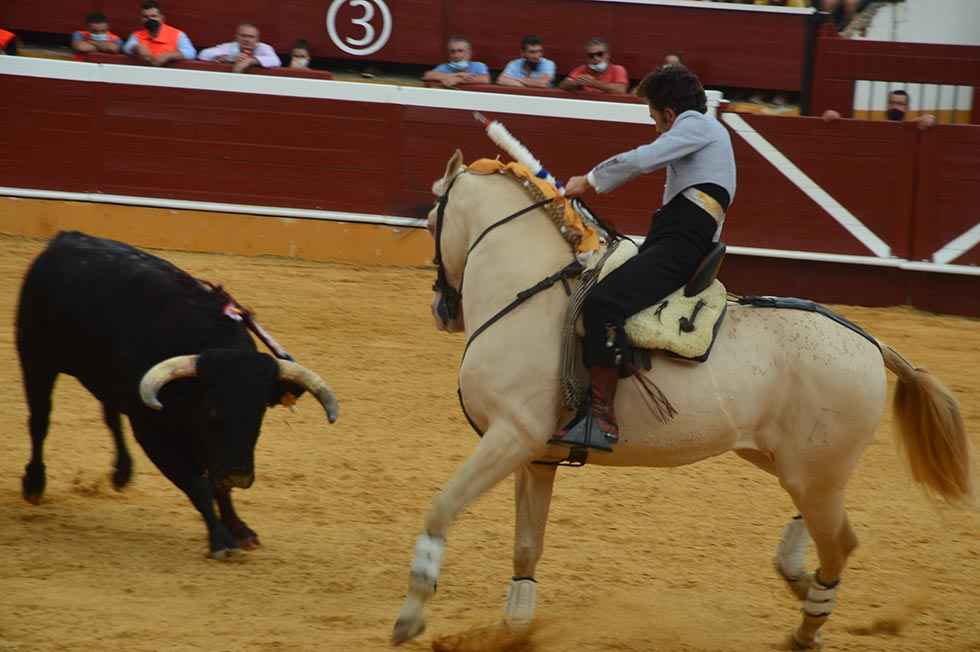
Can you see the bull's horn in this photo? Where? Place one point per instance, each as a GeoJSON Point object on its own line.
{"type": "Point", "coordinates": [315, 385]}
{"type": "Point", "coordinates": [181, 366]}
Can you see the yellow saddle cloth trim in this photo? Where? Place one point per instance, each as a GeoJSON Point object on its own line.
{"type": "Point", "coordinates": [660, 325]}
{"type": "Point", "coordinates": [583, 237]}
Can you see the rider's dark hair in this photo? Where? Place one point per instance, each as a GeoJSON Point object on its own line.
{"type": "Point", "coordinates": [95, 17]}
{"type": "Point", "coordinates": [150, 4]}
{"type": "Point", "coordinates": [673, 87]}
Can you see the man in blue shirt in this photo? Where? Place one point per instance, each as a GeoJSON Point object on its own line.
{"type": "Point", "coordinates": [459, 69]}
{"type": "Point", "coordinates": [532, 69]}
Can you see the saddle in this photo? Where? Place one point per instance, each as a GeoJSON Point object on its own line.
{"type": "Point", "coordinates": [685, 322]}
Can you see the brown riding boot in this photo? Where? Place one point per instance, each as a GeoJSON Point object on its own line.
{"type": "Point", "coordinates": [595, 426]}
{"type": "Point", "coordinates": [603, 391]}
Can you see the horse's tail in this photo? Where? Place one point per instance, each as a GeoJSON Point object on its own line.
{"type": "Point", "coordinates": [931, 430]}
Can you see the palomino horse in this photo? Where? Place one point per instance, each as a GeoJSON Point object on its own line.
{"type": "Point", "coordinates": [795, 393]}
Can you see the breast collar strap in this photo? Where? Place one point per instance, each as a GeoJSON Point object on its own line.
{"type": "Point", "coordinates": [451, 298]}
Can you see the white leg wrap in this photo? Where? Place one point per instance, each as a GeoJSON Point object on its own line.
{"type": "Point", "coordinates": [428, 558]}
{"type": "Point", "coordinates": [791, 553]}
{"type": "Point", "coordinates": [521, 599]}
{"type": "Point", "coordinates": [820, 599]}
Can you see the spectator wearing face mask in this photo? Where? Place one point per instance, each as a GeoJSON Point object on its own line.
{"type": "Point", "coordinates": [532, 69]}
{"type": "Point", "coordinates": [460, 69]}
{"type": "Point", "coordinates": [97, 38]}
{"type": "Point", "coordinates": [299, 56]}
{"type": "Point", "coordinates": [896, 110]}
{"type": "Point", "coordinates": [598, 75]}
{"type": "Point", "coordinates": [158, 43]}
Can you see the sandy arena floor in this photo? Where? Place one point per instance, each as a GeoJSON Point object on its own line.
{"type": "Point", "coordinates": [671, 560]}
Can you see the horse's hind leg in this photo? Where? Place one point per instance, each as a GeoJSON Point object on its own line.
{"type": "Point", "coordinates": [124, 463]}
{"type": "Point", "coordinates": [835, 540]}
{"type": "Point", "coordinates": [533, 489]}
{"type": "Point", "coordinates": [500, 453]}
{"type": "Point", "coordinates": [790, 559]}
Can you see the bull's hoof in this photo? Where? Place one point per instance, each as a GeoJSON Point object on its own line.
{"type": "Point", "coordinates": [228, 554]}
{"type": "Point", "coordinates": [121, 477]}
{"type": "Point", "coordinates": [406, 629]}
{"type": "Point", "coordinates": [244, 536]}
{"type": "Point", "coordinates": [249, 543]}
{"type": "Point", "coordinates": [33, 482]}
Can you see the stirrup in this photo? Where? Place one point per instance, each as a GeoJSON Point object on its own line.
{"type": "Point", "coordinates": [584, 432]}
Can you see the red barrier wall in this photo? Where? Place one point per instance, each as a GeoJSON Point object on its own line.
{"type": "Point", "coordinates": [727, 47]}
{"type": "Point", "coordinates": [914, 189]}
{"type": "Point", "coordinates": [948, 191]}
{"type": "Point", "coordinates": [839, 62]}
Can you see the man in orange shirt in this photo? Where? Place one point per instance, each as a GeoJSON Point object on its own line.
{"type": "Point", "coordinates": [158, 43]}
{"type": "Point", "coordinates": [8, 42]}
{"type": "Point", "coordinates": [598, 75]}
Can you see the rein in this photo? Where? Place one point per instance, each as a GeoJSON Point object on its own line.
{"type": "Point", "coordinates": [451, 298]}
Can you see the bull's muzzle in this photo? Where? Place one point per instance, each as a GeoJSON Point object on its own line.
{"type": "Point", "coordinates": [238, 480]}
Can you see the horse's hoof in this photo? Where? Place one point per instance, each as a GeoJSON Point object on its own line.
{"type": "Point", "coordinates": [798, 585]}
{"type": "Point", "coordinates": [34, 499]}
{"type": "Point", "coordinates": [406, 630]}
{"type": "Point", "coordinates": [797, 643]}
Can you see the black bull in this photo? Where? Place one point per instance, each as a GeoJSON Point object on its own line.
{"type": "Point", "coordinates": [126, 323]}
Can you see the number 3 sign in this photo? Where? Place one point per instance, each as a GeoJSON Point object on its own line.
{"type": "Point", "coordinates": [369, 41]}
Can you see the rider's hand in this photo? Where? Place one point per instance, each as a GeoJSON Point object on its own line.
{"type": "Point", "coordinates": [577, 186]}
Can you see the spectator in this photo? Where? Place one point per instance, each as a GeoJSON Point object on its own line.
{"type": "Point", "coordinates": [532, 69]}
{"type": "Point", "coordinates": [896, 110]}
{"type": "Point", "coordinates": [598, 75]}
{"type": "Point", "coordinates": [459, 69]}
{"type": "Point", "coordinates": [244, 52]}
{"type": "Point", "coordinates": [672, 59]}
{"type": "Point", "coordinates": [158, 43]}
{"type": "Point", "coordinates": [97, 38]}
{"type": "Point", "coordinates": [8, 42]}
{"type": "Point", "coordinates": [299, 56]}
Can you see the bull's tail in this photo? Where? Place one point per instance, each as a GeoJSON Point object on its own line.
{"type": "Point", "coordinates": [931, 430]}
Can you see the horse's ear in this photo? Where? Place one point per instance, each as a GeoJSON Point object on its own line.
{"type": "Point", "coordinates": [453, 167]}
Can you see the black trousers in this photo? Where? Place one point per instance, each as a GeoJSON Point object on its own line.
{"type": "Point", "coordinates": [680, 237]}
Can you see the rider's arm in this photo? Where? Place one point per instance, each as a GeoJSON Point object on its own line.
{"type": "Point", "coordinates": [685, 137]}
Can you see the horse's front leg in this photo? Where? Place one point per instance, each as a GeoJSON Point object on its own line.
{"type": "Point", "coordinates": [533, 489]}
{"type": "Point", "coordinates": [500, 453]}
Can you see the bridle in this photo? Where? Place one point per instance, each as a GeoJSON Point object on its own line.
{"type": "Point", "coordinates": [451, 298]}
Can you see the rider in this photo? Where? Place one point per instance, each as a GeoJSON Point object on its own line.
{"type": "Point", "coordinates": [697, 152]}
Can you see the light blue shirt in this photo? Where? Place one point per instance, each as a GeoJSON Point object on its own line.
{"type": "Point", "coordinates": [516, 69]}
{"type": "Point", "coordinates": [474, 68]}
{"type": "Point", "coordinates": [696, 149]}
{"type": "Point", "coordinates": [183, 44]}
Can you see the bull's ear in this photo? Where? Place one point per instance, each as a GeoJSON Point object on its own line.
{"type": "Point", "coordinates": [453, 167]}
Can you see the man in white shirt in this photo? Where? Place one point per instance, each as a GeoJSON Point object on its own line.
{"type": "Point", "coordinates": [244, 52]}
{"type": "Point", "coordinates": [697, 151]}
